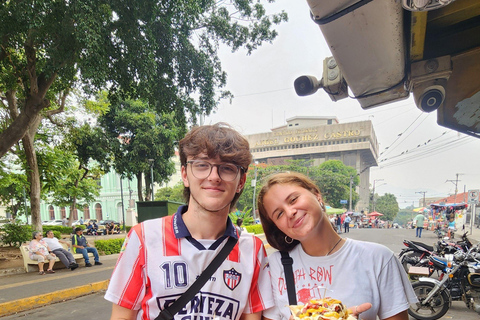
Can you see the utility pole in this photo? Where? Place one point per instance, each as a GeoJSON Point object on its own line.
{"type": "Point", "coordinates": [373, 191]}
{"type": "Point", "coordinates": [254, 185]}
{"type": "Point", "coordinates": [455, 182]}
{"type": "Point", "coordinates": [350, 204]}
{"type": "Point", "coordinates": [424, 201]}
{"type": "Point", "coordinates": [151, 173]}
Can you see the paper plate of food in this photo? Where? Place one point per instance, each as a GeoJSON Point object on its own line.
{"type": "Point", "coordinates": [321, 309]}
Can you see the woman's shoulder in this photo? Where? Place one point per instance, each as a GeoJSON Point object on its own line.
{"type": "Point", "coordinates": [369, 248]}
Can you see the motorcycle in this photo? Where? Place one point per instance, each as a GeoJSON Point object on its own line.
{"type": "Point", "coordinates": [415, 255]}
{"type": "Point", "coordinates": [460, 281]}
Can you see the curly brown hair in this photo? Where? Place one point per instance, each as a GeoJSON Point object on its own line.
{"type": "Point", "coordinates": [216, 140]}
{"type": "Point", "coordinates": [276, 237]}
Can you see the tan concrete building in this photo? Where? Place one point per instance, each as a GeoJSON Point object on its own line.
{"type": "Point", "coordinates": [321, 139]}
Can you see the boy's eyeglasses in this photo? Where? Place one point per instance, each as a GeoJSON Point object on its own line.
{"type": "Point", "coordinates": [227, 171]}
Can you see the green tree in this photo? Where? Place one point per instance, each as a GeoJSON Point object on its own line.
{"type": "Point", "coordinates": [388, 206]}
{"type": "Point", "coordinates": [163, 52]}
{"type": "Point", "coordinates": [136, 133]}
{"type": "Point", "coordinates": [174, 193]}
{"type": "Point", "coordinates": [333, 179]}
{"type": "Point", "coordinates": [13, 192]}
{"type": "Point", "coordinates": [76, 183]}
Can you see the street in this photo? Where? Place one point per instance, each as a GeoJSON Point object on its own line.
{"type": "Point", "coordinates": [95, 307]}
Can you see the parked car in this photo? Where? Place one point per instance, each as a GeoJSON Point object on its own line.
{"type": "Point", "coordinates": [54, 223]}
{"type": "Point", "coordinates": [76, 223]}
{"type": "Point", "coordinates": [104, 222]}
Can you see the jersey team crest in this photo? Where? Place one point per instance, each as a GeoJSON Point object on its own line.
{"type": "Point", "coordinates": [231, 278]}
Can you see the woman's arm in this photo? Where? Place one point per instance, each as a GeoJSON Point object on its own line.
{"type": "Point", "coordinates": [399, 316]}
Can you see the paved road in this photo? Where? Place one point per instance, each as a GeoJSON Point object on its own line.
{"type": "Point", "coordinates": [95, 307]}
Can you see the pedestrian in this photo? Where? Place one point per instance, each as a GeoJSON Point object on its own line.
{"type": "Point", "coordinates": [339, 223]}
{"type": "Point", "coordinates": [162, 257]}
{"type": "Point", "coordinates": [419, 220]}
{"type": "Point", "coordinates": [65, 256]}
{"type": "Point", "coordinates": [64, 222]}
{"type": "Point", "coordinates": [293, 217]}
{"type": "Point", "coordinates": [81, 245]}
{"type": "Point", "coordinates": [346, 223]}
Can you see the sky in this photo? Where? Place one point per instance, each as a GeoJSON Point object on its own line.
{"type": "Point", "coordinates": [417, 155]}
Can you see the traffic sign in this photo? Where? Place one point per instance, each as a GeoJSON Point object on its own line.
{"type": "Point", "coordinates": [473, 196]}
{"type": "Point", "coordinates": [343, 201]}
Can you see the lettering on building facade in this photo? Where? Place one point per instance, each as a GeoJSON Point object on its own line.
{"type": "Point", "coordinates": [304, 135]}
{"type": "Point", "coordinates": [342, 134]}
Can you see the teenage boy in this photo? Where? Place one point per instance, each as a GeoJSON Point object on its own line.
{"type": "Point", "coordinates": [161, 258]}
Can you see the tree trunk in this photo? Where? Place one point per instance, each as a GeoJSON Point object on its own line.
{"type": "Point", "coordinates": [139, 186]}
{"type": "Point", "coordinates": [21, 124]}
{"type": "Point", "coordinates": [33, 178]}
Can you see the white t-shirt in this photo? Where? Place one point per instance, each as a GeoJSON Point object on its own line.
{"type": "Point", "coordinates": [160, 260]}
{"type": "Point", "coordinates": [359, 272]}
{"type": "Point", "coordinates": [53, 243]}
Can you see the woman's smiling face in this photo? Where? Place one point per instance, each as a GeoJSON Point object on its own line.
{"type": "Point", "coordinates": [294, 210]}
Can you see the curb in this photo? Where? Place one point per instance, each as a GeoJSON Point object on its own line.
{"type": "Point", "coordinates": [12, 307]}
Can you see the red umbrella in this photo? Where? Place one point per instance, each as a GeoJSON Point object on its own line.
{"type": "Point", "coordinates": [374, 214]}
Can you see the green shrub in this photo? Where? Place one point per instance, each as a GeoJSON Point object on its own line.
{"type": "Point", "coordinates": [14, 234]}
{"type": "Point", "coordinates": [255, 228]}
{"type": "Point", "coordinates": [110, 246]}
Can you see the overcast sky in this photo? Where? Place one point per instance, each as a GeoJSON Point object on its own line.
{"type": "Point", "coordinates": [262, 84]}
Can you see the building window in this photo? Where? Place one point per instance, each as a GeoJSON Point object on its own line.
{"type": "Point", "coordinates": [86, 212]}
{"type": "Point", "coordinates": [62, 212]}
{"type": "Point", "coordinates": [98, 212]}
{"type": "Point", "coordinates": [329, 121]}
{"type": "Point", "coordinates": [51, 213]}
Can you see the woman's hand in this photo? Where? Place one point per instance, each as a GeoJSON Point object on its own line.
{"type": "Point", "coordinates": [355, 311]}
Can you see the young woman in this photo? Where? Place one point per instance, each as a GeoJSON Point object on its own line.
{"type": "Point", "coordinates": [293, 216]}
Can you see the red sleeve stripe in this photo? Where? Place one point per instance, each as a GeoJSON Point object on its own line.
{"type": "Point", "coordinates": [171, 245]}
{"type": "Point", "coordinates": [255, 298]}
{"type": "Point", "coordinates": [130, 294]}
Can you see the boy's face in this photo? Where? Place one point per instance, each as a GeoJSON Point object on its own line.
{"type": "Point", "coordinates": [211, 193]}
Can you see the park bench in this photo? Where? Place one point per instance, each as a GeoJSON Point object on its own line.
{"type": "Point", "coordinates": [32, 265]}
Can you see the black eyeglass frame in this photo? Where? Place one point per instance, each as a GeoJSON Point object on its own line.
{"type": "Point", "coordinates": [240, 168]}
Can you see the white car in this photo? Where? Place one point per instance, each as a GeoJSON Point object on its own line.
{"type": "Point", "coordinates": [54, 223]}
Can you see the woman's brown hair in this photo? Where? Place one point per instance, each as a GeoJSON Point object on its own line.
{"type": "Point", "coordinates": [275, 237]}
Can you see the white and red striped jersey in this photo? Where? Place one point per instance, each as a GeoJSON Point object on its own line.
{"type": "Point", "coordinates": [160, 260]}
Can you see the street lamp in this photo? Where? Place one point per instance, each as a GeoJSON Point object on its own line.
{"type": "Point", "coordinates": [373, 191]}
{"type": "Point", "coordinates": [254, 185]}
{"type": "Point", "coordinates": [151, 173]}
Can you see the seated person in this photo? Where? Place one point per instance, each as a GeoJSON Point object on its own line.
{"type": "Point", "coordinates": [116, 229]}
{"type": "Point", "coordinates": [81, 245]}
{"type": "Point", "coordinates": [66, 257]}
{"type": "Point", "coordinates": [38, 250]}
{"type": "Point", "coordinates": [110, 227]}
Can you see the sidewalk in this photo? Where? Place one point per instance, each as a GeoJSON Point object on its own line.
{"type": "Point", "coordinates": [20, 291]}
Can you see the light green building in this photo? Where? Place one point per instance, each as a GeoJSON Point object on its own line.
{"type": "Point", "coordinates": [108, 206]}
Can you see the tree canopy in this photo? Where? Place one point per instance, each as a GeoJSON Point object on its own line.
{"type": "Point", "coordinates": [388, 206]}
{"type": "Point", "coordinates": [164, 52]}
{"type": "Point", "coordinates": [332, 177]}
